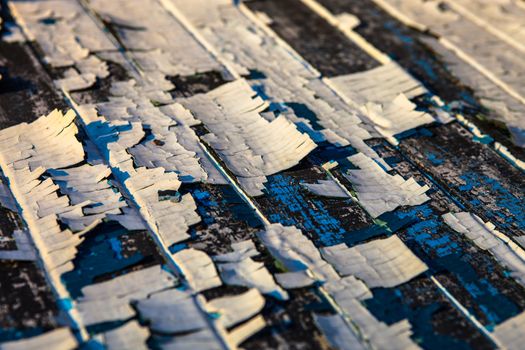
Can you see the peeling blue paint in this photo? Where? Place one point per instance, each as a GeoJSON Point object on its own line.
{"type": "Point", "coordinates": [434, 158]}
{"type": "Point", "coordinates": [307, 217]}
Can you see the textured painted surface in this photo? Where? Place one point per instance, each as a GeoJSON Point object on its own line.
{"type": "Point", "coordinates": [178, 83]}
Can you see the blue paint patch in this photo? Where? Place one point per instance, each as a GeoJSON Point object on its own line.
{"type": "Point", "coordinates": [427, 68]}
{"type": "Point", "coordinates": [423, 210]}
{"type": "Point", "coordinates": [392, 161]}
{"type": "Point", "coordinates": [489, 287]}
{"type": "Point", "coordinates": [414, 133]}
{"type": "Point", "coordinates": [392, 27]}
{"type": "Point", "coordinates": [96, 257]}
{"type": "Point", "coordinates": [484, 139]}
{"type": "Point", "coordinates": [466, 187]}
{"type": "Point", "coordinates": [512, 208]}
{"type": "Point", "coordinates": [201, 195]}
{"type": "Point", "coordinates": [390, 306]}
{"type": "Point", "coordinates": [475, 202]}
{"type": "Point", "coordinates": [354, 237]}
{"type": "Point", "coordinates": [65, 304]}
{"type": "Point", "coordinates": [103, 327]}
{"type": "Point", "coordinates": [442, 252]}
{"type": "Point", "coordinates": [9, 334]}
{"type": "Point", "coordinates": [260, 90]}
{"type": "Point", "coordinates": [406, 134]}
{"type": "Point", "coordinates": [326, 152]}
{"type": "Point", "coordinates": [276, 107]}
{"type": "Point", "coordinates": [92, 344]}
{"type": "Point", "coordinates": [422, 233]}
{"type": "Point", "coordinates": [468, 98]}
{"type": "Point", "coordinates": [225, 202]}
{"type": "Point", "coordinates": [434, 158]}
{"type": "Point", "coordinates": [301, 110]}
{"type": "Point", "coordinates": [495, 306]}
{"type": "Point", "coordinates": [116, 246]}
{"type": "Point", "coordinates": [425, 132]}
{"type": "Point", "coordinates": [312, 218]}
{"type": "Point", "coordinates": [256, 75]}
{"type": "Point", "coordinates": [380, 165]}
{"type": "Point", "coordinates": [177, 247]}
